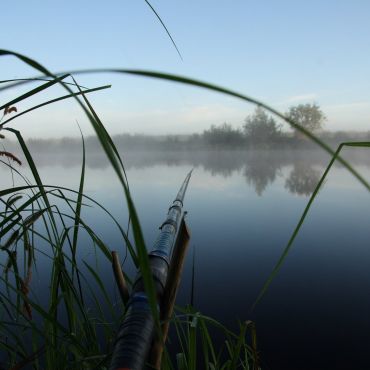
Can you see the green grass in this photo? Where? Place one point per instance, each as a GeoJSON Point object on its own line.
{"type": "Point", "coordinates": [43, 222]}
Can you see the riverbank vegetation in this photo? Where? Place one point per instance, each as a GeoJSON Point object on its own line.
{"type": "Point", "coordinates": [67, 318]}
{"type": "Point", "coordinates": [258, 131]}
{"type": "Point", "coordinates": [57, 312]}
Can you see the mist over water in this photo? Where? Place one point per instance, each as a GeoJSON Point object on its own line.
{"type": "Point", "coordinates": [242, 208]}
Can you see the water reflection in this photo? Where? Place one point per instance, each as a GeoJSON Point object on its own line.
{"type": "Point", "coordinates": [261, 168]}
{"type": "Point", "coordinates": [302, 179]}
{"type": "Point", "coordinates": [245, 235]}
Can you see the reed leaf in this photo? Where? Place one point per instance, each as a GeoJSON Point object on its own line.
{"type": "Point", "coordinates": [34, 91]}
{"type": "Point", "coordinates": [296, 230]}
{"type": "Point", "coordinates": [164, 26]}
{"type": "Point", "coordinates": [64, 97]}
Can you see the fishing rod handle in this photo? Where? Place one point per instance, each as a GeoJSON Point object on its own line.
{"type": "Point", "coordinates": [136, 333]}
{"type": "Point", "coordinates": [137, 330]}
{"type": "Point", "coordinates": [135, 336]}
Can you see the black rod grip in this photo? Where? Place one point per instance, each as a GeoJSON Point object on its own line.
{"type": "Point", "coordinates": [135, 335]}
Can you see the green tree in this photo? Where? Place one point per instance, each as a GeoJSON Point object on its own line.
{"type": "Point", "coordinates": [260, 128]}
{"type": "Point", "coordinates": [224, 134]}
{"type": "Point", "coordinates": [309, 116]}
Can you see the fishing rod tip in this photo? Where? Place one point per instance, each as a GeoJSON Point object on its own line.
{"type": "Point", "coordinates": [189, 174]}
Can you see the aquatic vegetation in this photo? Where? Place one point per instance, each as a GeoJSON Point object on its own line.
{"type": "Point", "coordinates": [75, 323]}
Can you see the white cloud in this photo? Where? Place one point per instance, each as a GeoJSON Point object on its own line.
{"type": "Point", "coordinates": [300, 98]}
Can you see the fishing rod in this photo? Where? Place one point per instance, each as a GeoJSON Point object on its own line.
{"type": "Point", "coordinates": [135, 336]}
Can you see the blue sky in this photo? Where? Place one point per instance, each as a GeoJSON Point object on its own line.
{"type": "Point", "coordinates": [281, 52]}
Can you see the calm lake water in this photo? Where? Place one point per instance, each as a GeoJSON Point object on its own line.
{"type": "Point", "coordinates": [242, 208]}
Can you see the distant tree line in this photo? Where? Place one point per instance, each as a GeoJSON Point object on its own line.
{"type": "Point", "coordinates": [259, 130]}
{"type": "Point", "coordinates": [262, 130]}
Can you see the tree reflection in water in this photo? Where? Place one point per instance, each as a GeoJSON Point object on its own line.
{"type": "Point", "coordinates": [261, 169]}
{"type": "Point", "coordinates": [302, 179]}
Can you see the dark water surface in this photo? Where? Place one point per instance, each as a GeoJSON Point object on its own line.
{"type": "Point", "coordinates": [242, 208]}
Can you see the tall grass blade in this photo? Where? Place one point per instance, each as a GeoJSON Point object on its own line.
{"type": "Point", "coordinates": [33, 91]}
{"type": "Point", "coordinates": [286, 250]}
{"type": "Point", "coordinates": [164, 26]}
{"type": "Point", "coordinates": [235, 353]}
{"type": "Point", "coordinates": [143, 258]}
{"type": "Point", "coordinates": [216, 88]}
{"type": "Point", "coordinates": [192, 346]}
{"type": "Point", "coordinates": [54, 101]}
{"type": "Point", "coordinates": [77, 212]}
{"type": "Point", "coordinates": [191, 82]}
{"type": "Point", "coordinates": [27, 80]}
{"type": "Point", "coordinates": [29, 359]}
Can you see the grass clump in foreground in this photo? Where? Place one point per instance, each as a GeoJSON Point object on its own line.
{"type": "Point", "coordinates": [75, 323]}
